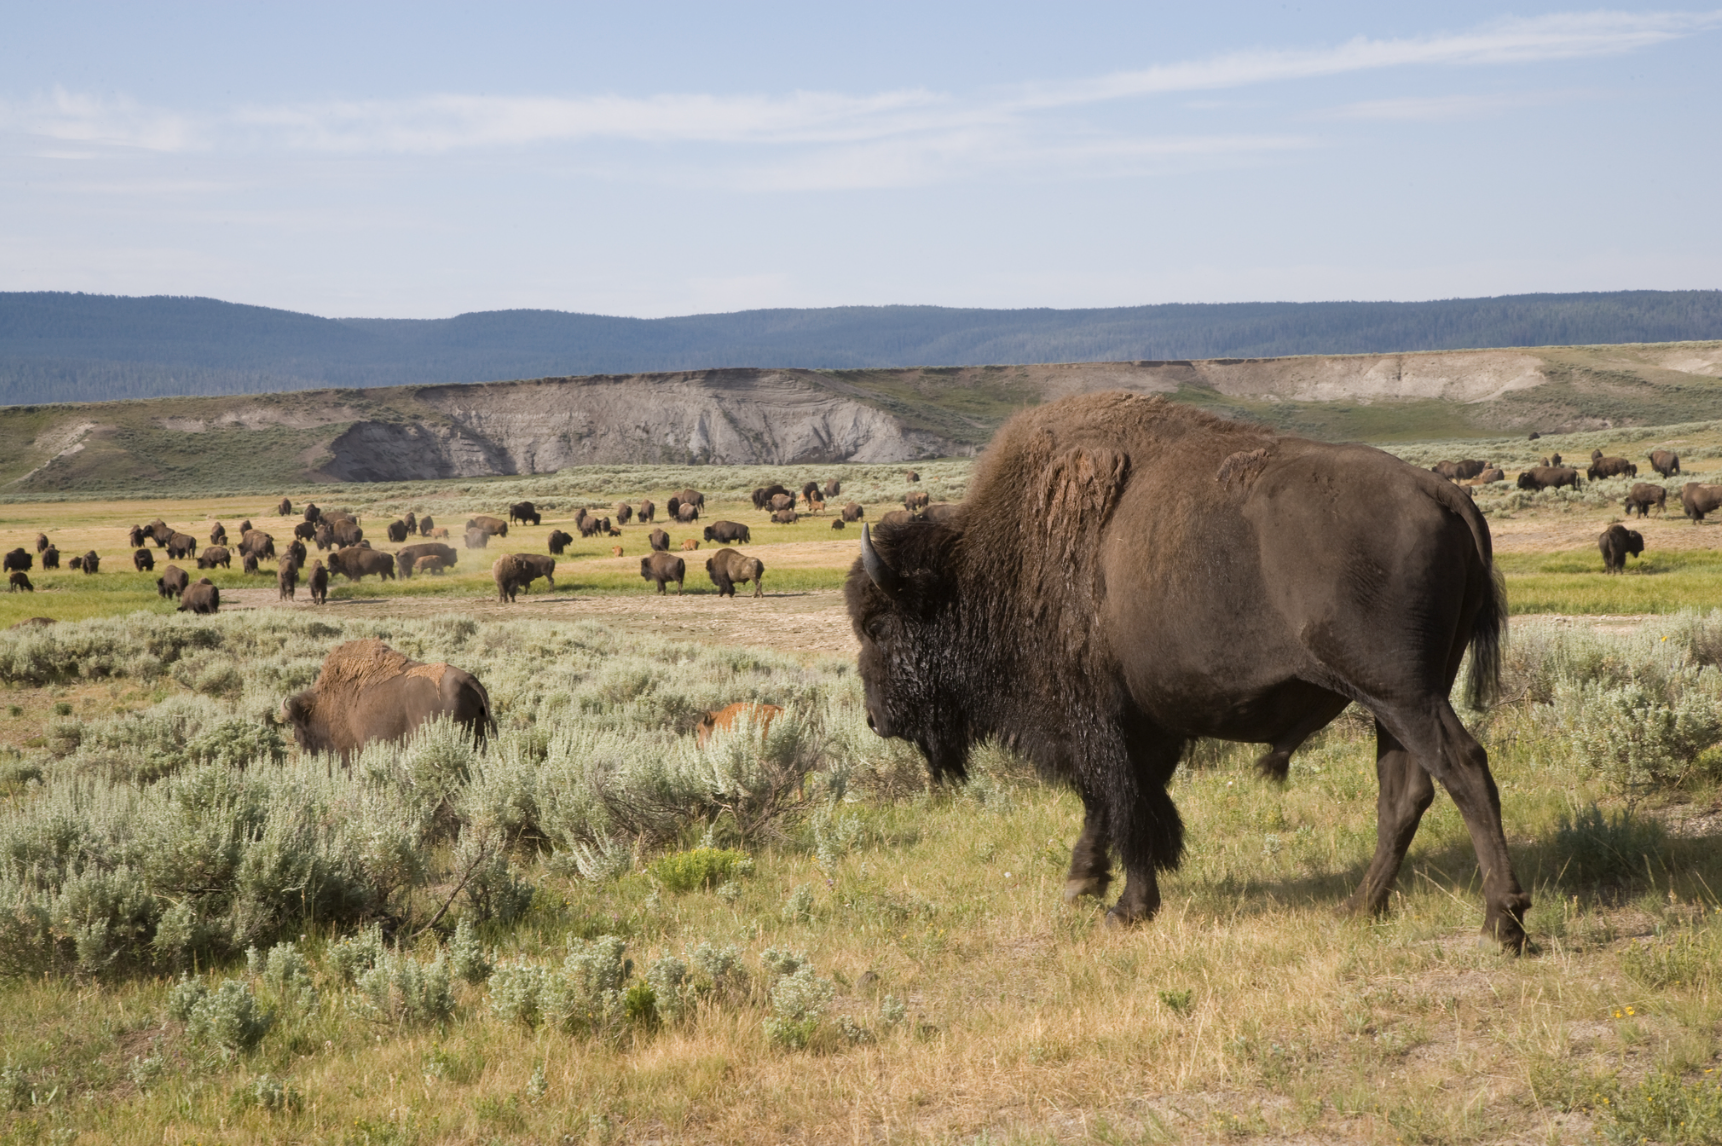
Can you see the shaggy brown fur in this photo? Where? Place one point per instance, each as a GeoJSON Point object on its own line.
{"type": "Point", "coordinates": [368, 691]}
{"type": "Point", "coordinates": [1643, 496]}
{"type": "Point", "coordinates": [1700, 500]}
{"type": "Point", "coordinates": [1665, 462]}
{"type": "Point", "coordinates": [663, 568]}
{"type": "Point", "coordinates": [728, 568]}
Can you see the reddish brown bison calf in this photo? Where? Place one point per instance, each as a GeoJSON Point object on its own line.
{"type": "Point", "coordinates": [725, 719]}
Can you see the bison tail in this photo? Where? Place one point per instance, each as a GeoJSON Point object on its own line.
{"type": "Point", "coordinates": [1488, 642]}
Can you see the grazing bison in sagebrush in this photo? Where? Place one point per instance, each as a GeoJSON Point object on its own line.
{"type": "Point", "coordinates": [662, 568]}
{"type": "Point", "coordinates": [728, 532]}
{"type": "Point", "coordinates": [1490, 476]}
{"type": "Point", "coordinates": [494, 526]}
{"type": "Point", "coordinates": [181, 545]}
{"type": "Point", "coordinates": [1601, 467]}
{"type": "Point", "coordinates": [515, 572]}
{"type": "Point", "coordinates": [687, 512]}
{"type": "Point", "coordinates": [143, 560]}
{"type": "Point", "coordinates": [356, 562]}
{"type": "Point", "coordinates": [51, 558]}
{"type": "Point", "coordinates": [1700, 500]}
{"type": "Point", "coordinates": [407, 557]}
{"type": "Point", "coordinates": [728, 568]}
{"type": "Point", "coordinates": [20, 559]}
{"type": "Point", "coordinates": [18, 581]}
{"type": "Point", "coordinates": [779, 501]}
{"type": "Point", "coordinates": [911, 475]}
{"type": "Point", "coordinates": [1548, 477]}
{"type": "Point", "coordinates": [1199, 579]}
{"type": "Point", "coordinates": [1644, 495]}
{"type": "Point", "coordinates": [763, 495]}
{"type": "Point", "coordinates": [412, 523]}
{"type": "Point", "coordinates": [810, 493]}
{"type": "Point", "coordinates": [200, 597]}
{"type": "Point", "coordinates": [727, 718]}
{"type": "Point", "coordinates": [523, 512]}
{"type": "Point", "coordinates": [367, 691]}
{"type": "Point", "coordinates": [260, 544]}
{"type": "Point", "coordinates": [832, 489]}
{"type": "Point", "coordinates": [658, 540]}
{"type": "Point", "coordinates": [318, 583]}
{"type": "Point", "coordinates": [1616, 542]}
{"type": "Point", "coordinates": [172, 581]}
{"type": "Point", "coordinates": [213, 556]}
{"type": "Point", "coordinates": [559, 541]}
{"type": "Point", "coordinates": [1665, 462]}
{"type": "Point", "coordinates": [1462, 470]}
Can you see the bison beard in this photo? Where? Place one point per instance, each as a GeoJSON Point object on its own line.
{"type": "Point", "coordinates": [1105, 540]}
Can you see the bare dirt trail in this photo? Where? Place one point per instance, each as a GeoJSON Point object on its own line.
{"type": "Point", "coordinates": [1554, 532]}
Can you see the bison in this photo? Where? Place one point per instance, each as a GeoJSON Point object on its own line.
{"type": "Point", "coordinates": [692, 497]}
{"type": "Point", "coordinates": [137, 537]}
{"type": "Point", "coordinates": [355, 562]}
{"type": "Point", "coordinates": [810, 492]}
{"type": "Point", "coordinates": [912, 476]}
{"type": "Point", "coordinates": [1615, 543]}
{"type": "Point", "coordinates": [312, 513]}
{"type": "Point", "coordinates": [728, 568]}
{"type": "Point", "coordinates": [318, 583]}
{"type": "Point", "coordinates": [763, 495]}
{"type": "Point", "coordinates": [51, 558]}
{"type": "Point", "coordinates": [200, 597]}
{"type": "Point", "coordinates": [412, 522]}
{"type": "Point", "coordinates": [367, 691]}
{"type": "Point", "coordinates": [494, 526]}
{"type": "Point", "coordinates": [658, 540]}
{"type": "Point", "coordinates": [426, 525]}
{"type": "Point", "coordinates": [837, 523]}
{"type": "Point", "coordinates": [397, 531]}
{"type": "Point", "coordinates": [19, 582]}
{"type": "Point", "coordinates": [1601, 467]}
{"type": "Point", "coordinates": [1460, 470]}
{"type": "Point", "coordinates": [647, 513]}
{"type": "Point", "coordinates": [19, 559]}
{"type": "Point", "coordinates": [218, 534]}
{"type": "Point", "coordinates": [159, 532]}
{"type": "Point", "coordinates": [1697, 500]}
{"type": "Point", "coordinates": [77, 563]}
{"type": "Point", "coordinates": [345, 532]}
{"type": "Point", "coordinates": [92, 562]}
{"type": "Point", "coordinates": [915, 500]}
{"type": "Point", "coordinates": [1548, 477]}
{"type": "Point", "coordinates": [429, 563]}
{"type": "Point", "coordinates": [181, 545]}
{"type": "Point", "coordinates": [213, 556]}
{"type": "Point", "coordinates": [515, 572]}
{"type": "Point", "coordinates": [1225, 606]}
{"type": "Point", "coordinates": [172, 581]}
{"type": "Point", "coordinates": [1644, 495]}
{"type": "Point", "coordinates": [287, 580]}
{"type": "Point", "coordinates": [1490, 476]}
{"type": "Point", "coordinates": [477, 538]}
{"type": "Point", "coordinates": [623, 512]}
{"type": "Point", "coordinates": [285, 509]}
{"type": "Point", "coordinates": [407, 557]}
{"type": "Point", "coordinates": [248, 563]}
{"type": "Point", "coordinates": [143, 560]}
{"type": "Point", "coordinates": [323, 534]}
{"type": "Point", "coordinates": [262, 546]}
{"type": "Point", "coordinates": [1665, 462]}
{"type": "Point", "coordinates": [42, 543]}
{"type": "Point", "coordinates": [523, 512]}
{"type": "Point", "coordinates": [725, 719]}
{"type": "Point", "coordinates": [296, 553]}
{"type": "Point", "coordinates": [780, 501]}
{"type": "Point", "coordinates": [689, 545]}
{"type": "Point", "coordinates": [784, 517]}
{"type": "Point", "coordinates": [687, 513]}
{"type": "Point", "coordinates": [853, 511]}
{"type": "Point", "coordinates": [559, 541]}
{"type": "Point", "coordinates": [832, 489]}
{"type": "Point", "coordinates": [662, 568]}
{"type": "Point", "coordinates": [728, 532]}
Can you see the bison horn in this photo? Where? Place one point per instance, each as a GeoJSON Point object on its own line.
{"type": "Point", "coordinates": [881, 574]}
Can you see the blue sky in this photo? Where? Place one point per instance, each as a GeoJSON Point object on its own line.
{"type": "Point", "coordinates": [424, 160]}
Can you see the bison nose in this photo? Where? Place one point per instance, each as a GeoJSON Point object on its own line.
{"type": "Point", "coordinates": [870, 723]}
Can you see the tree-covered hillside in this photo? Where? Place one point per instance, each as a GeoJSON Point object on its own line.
{"type": "Point", "coordinates": [58, 347]}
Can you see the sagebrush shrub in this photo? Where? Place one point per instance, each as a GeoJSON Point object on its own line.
{"type": "Point", "coordinates": [399, 989]}
{"type": "Point", "coordinates": [699, 868]}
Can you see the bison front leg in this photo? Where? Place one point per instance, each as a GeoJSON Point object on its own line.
{"type": "Point", "coordinates": [1090, 866]}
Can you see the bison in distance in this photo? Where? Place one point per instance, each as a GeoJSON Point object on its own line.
{"type": "Point", "coordinates": [663, 568]}
{"type": "Point", "coordinates": [367, 691]}
{"type": "Point", "coordinates": [408, 556]}
{"type": "Point", "coordinates": [51, 558]}
{"type": "Point", "coordinates": [356, 562]}
{"type": "Point", "coordinates": [18, 581]}
{"type": "Point", "coordinates": [1644, 495]}
{"type": "Point", "coordinates": [727, 568]}
{"type": "Point", "coordinates": [1460, 470]}
{"type": "Point", "coordinates": [397, 531]}
{"type": "Point", "coordinates": [287, 580]}
{"type": "Point", "coordinates": [853, 511]}
{"type": "Point", "coordinates": [20, 559]}
{"type": "Point", "coordinates": [1665, 462]}
{"type": "Point", "coordinates": [648, 512]}
{"type": "Point", "coordinates": [1616, 542]}
{"type": "Point", "coordinates": [524, 512]}
{"type": "Point", "coordinates": [318, 583]}
{"type": "Point", "coordinates": [172, 581]}
{"type": "Point", "coordinates": [1601, 467]}
{"type": "Point", "coordinates": [1229, 605]}
{"type": "Point", "coordinates": [515, 572]}
{"type": "Point", "coordinates": [784, 517]}
{"type": "Point", "coordinates": [763, 495]}
{"type": "Point", "coordinates": [213, 556]}
{"type": "Point", "coordinates": [559, 541]}
{"type": "Point", "coordinates": [658, 540]}
{"type": "Point", "coordinates": [477, 538]}
{"type": "Point", "coordinates": [1548, 477]}
{"type": "Point", "coordinates": [202, 597]}
{"type": "Point", "coordinates": [729, 532]}
{"type": "Point", "coordinates": [143, 560]}
{"type": "Point", "coordinates": [1700, 500]}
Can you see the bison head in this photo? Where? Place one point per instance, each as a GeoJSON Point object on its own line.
{"type": "Point", "coordinates": [907, 610]}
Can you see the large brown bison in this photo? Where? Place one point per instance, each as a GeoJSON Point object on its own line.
{"type": "Point", "coordinates": [296, 553]}
{"type": "Point", "coordinates": [345, 532]}
{"type": "Point", "coordinates": [524, 512]}
{"type": "Point", "coordinates": [356, 562]}
{"type": "Point", "coordinates": [285, 509]}
{"type": "Point", "coordinates": [412, 522]}
{"type": "Point", "coordinates": [1548, 477]}
{"type": "Point", "coordinates": [200, 597]}
{"type": "Point", "coordinates": [287, 580]}
{"type": "Point", "coordinates": [663, 567]}
{"type": "Point", "coordinates": [494, 526]}
{"type": "Point", "coordinates": [1461, 470]}
{"type": "Point", "coordinates": [763, 495]}
{"type": "Point", "coordinates": [559, 541]}
{"type": "Point", "coordinates": [912, 476]}
{"type": "Point", "coordinates": [623, 512]}
{"type": "Point", "coordinates": [853, 511]}
{"type": "Point", "coordinates": [729, 532]}
{"type": "Point", "coordinates": [833, 488]}
{"type": "Point", "coordinates": [476, 538]}
{"type": "Point", "coordinates": [18, 581]}
{"type": "Point", "coordinates": [784, 517]}
{"type": "Point", "coordinates": [1665, 462]}
{"type": "Point", "coordinates": [515, 572]}
{"type": "Point", "coordinates": [779, 501]}
{"type": "Point", "coordinates": [305, 531]}
{"type": "Point", "coordinates": [181, 545]}
{"type": "Point", "coordinates": [172, 581]}
{"type": "Point", "coordinates": [137, 536]}
{"type": "Point", "coordinates": [92, 562]}
{"type": "Point", "coordinates": [1252, 603]}
{"type": "Point", "coordinates": [1601, 467]}
{"type": "Point", "coordinates": [426, 525]}
{"type": "Point", "coordinates": [213, 556]}
{"type": "Point", "coordinates": [692, 497]}
{"type": "Point", "coordinates": [728, 717]}
{"type": "Point", "coordinates": [1644, 495]}
{"type": "Point", "coordinates": [324, 535]}
{"type": "Point", "coordinates": [810, 493]}
{"type": "Point", "coordinates": [1616, 542]}
{"type": "Point", "coordinates": [397, 531]}
{"type": "Point", "coordinates": [728, 568]}
{"type": "Point", "coordinates": [312, 513]}
{"type": "Point", "coordinates": [648, 512]}
{"type": "Point", "coordinates": [42, 543]}
{"type": "Point", "coordinates": [687, 513]}
{"type": "Point", "coordinates": [658, 540]}
{"type": "Point", "coordinates": [51, 558]}
{"type": "Point", "coordinates": [368, 691]}
{"type": "Point", "coordinates": [262, 546]}
{"type": "Point", "coordinates": [159, 532]}
{"type": "Point", "coordinates": [1699, 500]}
{"type": "Point", "coordinates": [406, 558]}
{"type": "Point", "coordinates": [218, 534]}
{"type": "Point", "coordinates": [20, 559]}
{"type": "Point", "coordinates": [143, 560]}
{"type": "Point", "coordinates": [318, 583]}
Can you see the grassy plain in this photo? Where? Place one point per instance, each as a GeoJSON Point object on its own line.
{"type": "Point", "coordinates": [966, 1001]}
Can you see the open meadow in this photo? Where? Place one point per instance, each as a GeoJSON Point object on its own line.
{"type": "Point", "coordinates": [595, 929]}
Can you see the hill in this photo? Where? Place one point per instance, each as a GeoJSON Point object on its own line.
{"type": "Point", "coordinates": [776, 417]}
{"type": "Point", "coordinates": [58, 347]}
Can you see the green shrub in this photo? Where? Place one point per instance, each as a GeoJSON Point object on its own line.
{"type": "Point", "coordinates": [401, 990]}
{"type": "Point", "coordinates": [1690, 957]}
{"type": "Point", "coordinates": [227, 1017]}
{"type": "Point", "coordinates": [1667, 1108]}
{"type": "Point", "coordinates": [699, 868]}
{"type": "Point", "coordinates": [467, 959]}
{"type": "Point", "coordinates": [798, 1002]}
{"type": "Point", "coordinates": [1591, 848]}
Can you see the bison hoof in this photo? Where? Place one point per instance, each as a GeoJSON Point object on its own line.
{"type": "Point", "coordinates": [1075, 889]}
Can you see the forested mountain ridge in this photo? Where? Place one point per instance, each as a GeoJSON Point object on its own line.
{"type": "Point", "coordinates": [57, 347]}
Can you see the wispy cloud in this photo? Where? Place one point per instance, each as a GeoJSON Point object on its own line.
{"type": "Point", "coordinates": [1436, 109]}
{"type": "Point", "coordinates": [112, 121]}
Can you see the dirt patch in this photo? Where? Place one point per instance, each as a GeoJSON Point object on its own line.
{"type": "Point", "coordinates": [1572, 531]}
{"type": "Point", "coordinates": [811, 623]}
